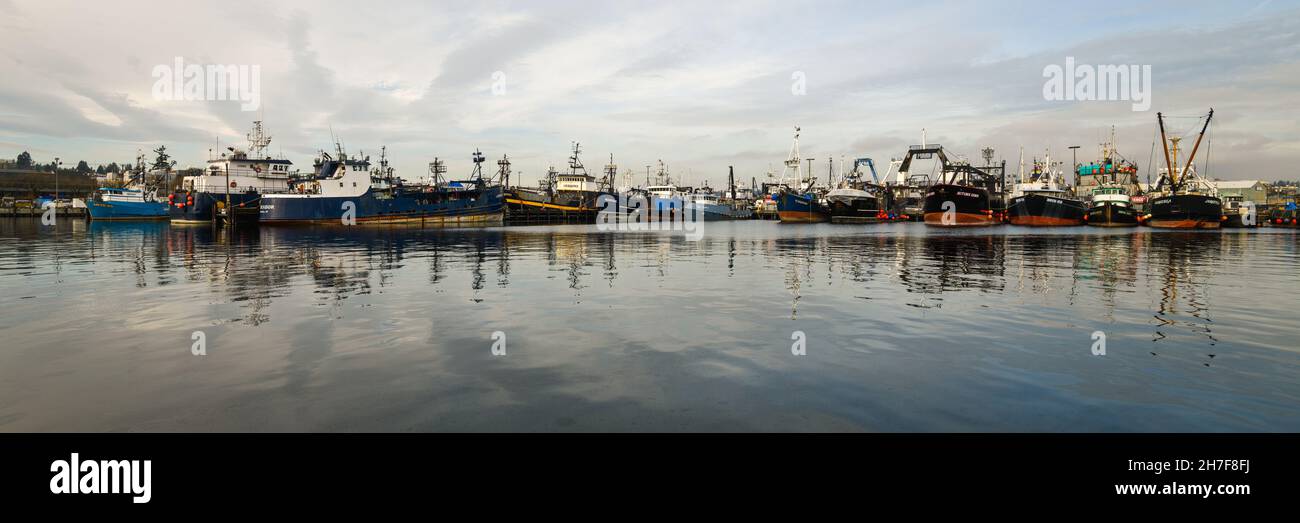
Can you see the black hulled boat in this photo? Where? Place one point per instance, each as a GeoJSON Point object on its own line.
{"type": "Point", "coordinates": [1183, 200]}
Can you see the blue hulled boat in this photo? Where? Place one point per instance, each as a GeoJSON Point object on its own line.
{"type": "Point", "coordinates": [125, 204]}
{"type": "Point", "coordinates": [345, 190]}
{"type": "Point", "coordinates": [800, 208]}
{"type": "Point", "coordinates": [237, 178]}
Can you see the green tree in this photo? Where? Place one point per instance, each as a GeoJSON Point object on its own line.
{"type": "Point", "coordinates": [24, 160]}
{"type": "Point", "coordinates": [83, 167]}
{"type": "Point", "coordinates": [163, 161]}
{"type": "Point", "coordinates": [113, 168]}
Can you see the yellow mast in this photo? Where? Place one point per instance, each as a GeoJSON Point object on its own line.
{"type": "Point", "coordinates": [1174, 174]}
{"type": "Point", "coordinates": [1164, 146]}
{"type": "Point", "coordinates": [1197, 145]}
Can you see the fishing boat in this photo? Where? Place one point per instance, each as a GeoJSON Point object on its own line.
{"type": "Point", "coordinates": [126, 204]}
{"type": "Point", "coordinates": [854, 199]}
{"type": "Point", "coordinates": [232, 184]}
{"type": "Point", "coordinates": [799, 203]}
{"type": "Point", "coordinates": [905, 191]}
{"type": "Point", "coordinates": [727, 206]}
{"type": "Point", "coordinates": [714, 209]}
{"type": "Point", "coordinates": [137, 200]}
{"type": "Point", "coordinates": [1183, 199]}
{"type": "Point", "coordinates": [562, 197]}
{"type": "Point", "coordinates": [1044, 200]}
{"type": "Point", "coordinates": [1113, 181]}
{"type": "Point", "coordinates": [1236, 212]}
{"type": "Point", "coordinates": [1111, 206]}
{"type": "Point", "coordinates": [766, 196]}
{"type": "Point", "coordinates": [800, 207]}
{"type": "Point", "coordinates": [577, 188]}
{"type": "Point", "coordinates": [909, 196]}
{"type": "Point", "coordinates": [963, 194]}
{"type": "Point", "coordinates": [344, 189]}
{"type": "Point", "coordinates": [665, 198]}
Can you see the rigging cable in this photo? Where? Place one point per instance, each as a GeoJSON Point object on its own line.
{"type": "Point", "coordinates": [1151, 162]}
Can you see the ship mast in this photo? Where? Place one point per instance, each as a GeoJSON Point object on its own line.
{"type": "Point", "coordinates": [1173, 152]}
{"type": "Point", "coordinates": [794, 161]}
{"type": "Point", "coordinates": [437, 168]}
{"type": "Point", "coordinates": [611, 173]}
{"type": "Point", "coordinates": [257, 141]}
{"type": "Point", "coordinates": [503, 170]}
{"type": "Point", "coordinates": [385, 172]}
{"type": "Point", "coordinates": [1164, 145]}
{"type": "Point", "coordinates": [478, 165]}
{"type": "Point", "coordinates": [1197, 145]}
{"type": "Point", "coordinates": [575, 165]}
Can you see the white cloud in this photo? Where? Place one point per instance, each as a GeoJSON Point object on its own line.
{"type": "Point", "coordinates": [701, 85]}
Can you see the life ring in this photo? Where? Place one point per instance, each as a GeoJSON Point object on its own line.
{"type": "Point", "coordinates": [234, 184]}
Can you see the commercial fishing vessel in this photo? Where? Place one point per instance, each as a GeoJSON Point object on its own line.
{"type": "Point", "coordinates": [1237, 212]}
{"type": "Point", "coordinates": [1111, 206]}
{"type": "Point", "coordinates": [963, 196]}
{"type": "Point", "coordinates": [569, 197]}
{"type": "Point", "coordinates": [1182, 199]}
{"type": "Point", "coordinates": [854, 200]}
{"type": "Point", "coordinates": [1115, 182]}
{"type": "Point", "coordinates": [905, 192]}
{"type": "Point", "coordinates": [799, 203]}
{"type": "Point", "coordinates": [138, 200]}
{"type": "Point", "coordinates": [236, 180]}
{"type": "Point", "coordinates": [725, 207]}
{"type": "Point", "coordinates": [343, 189]}
{"type": "Point", "coordinates": [1044, 199]}
{"type": "Point", "coordinates": [126, 204]}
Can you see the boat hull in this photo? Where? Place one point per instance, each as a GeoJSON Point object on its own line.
{"type": "Point", "coordinates": [1185, 211]}
{"type": "Point", "coordinates": [724, 212]}
{"type": "Point", "coordinates": [800, 208]}
{"type": "Point", "coordinates": [454, 209]}
{"type": "Point", "coordinates": [854, 210]}
{"type": "Point", "coordinates": [969, 206]}
{"type": "Point", "coordinates": [1037, 210]}
{"type": "Point", "coordinates": [1237, 221]}
{"type": "Point", "coordinates": [1109, 214]}
{"type": "Point", "coordinates": [201, 207]}
{"type": "Point", "coordinates": [99, 210]}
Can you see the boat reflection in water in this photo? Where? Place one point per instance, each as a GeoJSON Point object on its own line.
{"type": "Point", "coordinates": [906, 328]}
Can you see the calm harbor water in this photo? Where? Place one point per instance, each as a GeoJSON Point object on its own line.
{"type": "Point", "coordinates": [906, 329]}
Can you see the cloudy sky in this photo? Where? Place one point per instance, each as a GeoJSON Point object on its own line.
{"type": "Point", "coordinates": [700, 85]}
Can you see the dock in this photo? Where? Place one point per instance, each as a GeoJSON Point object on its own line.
{"type": "Point", "coordinates": [37, 212]}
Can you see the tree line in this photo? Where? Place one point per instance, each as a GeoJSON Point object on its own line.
{"type": "Point", "coordinates": [24, 161]}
